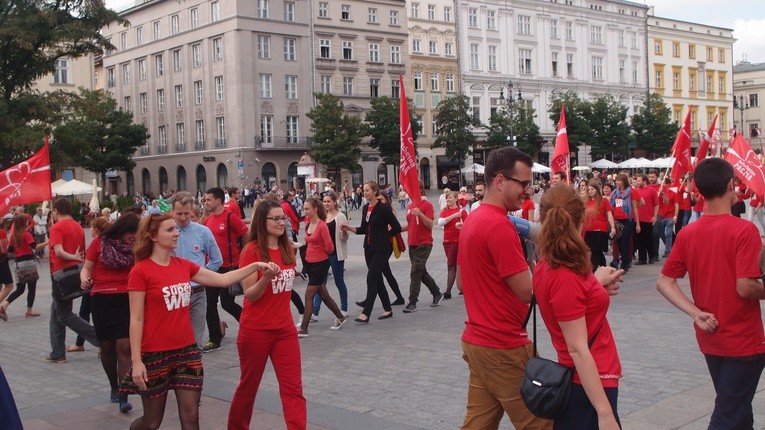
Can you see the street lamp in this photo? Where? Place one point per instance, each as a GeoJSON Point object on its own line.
{"type": "Point", "coordinates": [742, 104]}
{"type": "Point", "coordinates": [510, 100]}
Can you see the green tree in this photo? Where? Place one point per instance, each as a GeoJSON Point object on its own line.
{"type": "Point", "coordinates": [654, 129]}
{"type": "Point", "coordinates": [336, 134]}
{"type": "Point", "coordinates": [98, 136]}
{"type": "Point", "coordinates": [577, 111]}
{"type": "Point", "coordinates": [454, 125]}
{"type": "Point", "coordinates": [384, 128]}
{"type": "Point", "coordinates": [610, 130]}
{"type": "Point", "coordinates": [516, 120]}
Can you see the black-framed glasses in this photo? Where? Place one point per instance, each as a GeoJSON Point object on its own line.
{"type": "Point", "coordinates": [277, 219]}
{"type": "Point", "coordinates": [525, 184]}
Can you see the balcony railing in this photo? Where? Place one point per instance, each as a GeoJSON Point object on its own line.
{"type": "Point", "coordinates": [200, 145]}
{"type": "Point", "coordinates": [180, 147]}
{"type": "Point", "coordinates": [283, 143]}
{"type": "Point", "coordinates": [220, 143]}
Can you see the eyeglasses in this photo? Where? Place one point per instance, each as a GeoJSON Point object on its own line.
{"type": "Point", "coordinates": [277, 219]}
{"type": "Point", "coordinates": [525, 184]}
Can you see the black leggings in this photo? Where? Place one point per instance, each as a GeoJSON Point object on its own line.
{"type": "Point", "coordinates": [597, 241]}
{"type": "Point", "coordinates": [376, 263]}
{"type": "Point", "coordinates": [392, 281]}
{"type": "Point", "coordinates": [20, 287]}
{"type": "Point", "coordinates": [226, 302]}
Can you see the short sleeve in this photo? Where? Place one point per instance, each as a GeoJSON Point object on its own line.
{"type": "Point", "coordinates": [747, 252]}
{"type": "Point", "coordinates": [608, 206]}
{"type": "Point", "coordinates": [675, 266]}
{"type": "Point", "coordinates": [137, 279]}
{"type": "Point", "coordinates": [428, 210]}
{"type": "Point", "coordinates": [93, 251]}
{"type": "Point", "coordinates": [567, 296]}
{"type": "Point", "coordinates": [505, 246]}
{"type": "Point", "coordinates": [192, 267]}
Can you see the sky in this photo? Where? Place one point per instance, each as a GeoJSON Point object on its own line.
{"type": "Point", "coordinates": [745, 17]}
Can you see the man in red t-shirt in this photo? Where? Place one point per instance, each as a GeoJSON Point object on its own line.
{"type": "Point", "coordinates": [647, 214]}
{"type": "Point", "coordinates": [669, 210]}
{"type": "Point", "coordinates": [497, 286]}
{"type": "Point", "coordinates": [226, 228]}
{"type": "Point", "coordinates": [719, 253]}
{"type": "Point", "coordinates": [419, 225]}
{"type": "Point", "coordinates": [67, 248]}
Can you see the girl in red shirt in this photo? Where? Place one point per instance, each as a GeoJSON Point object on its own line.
{"type": "Point", "coordinates": [598, 223]}
{"type": "Point", "coordinates": [320, 247]}
{"type": "Point", "coordinates": [451, 220]}
{"type": "Point", "coordinates": [24, 247]}
{"type": "Point", "coordinates": [163, 351]}
{"type": "Point", "coordinates": [266, 329]}
{"type": "Point", "coordinates": [573, 303]}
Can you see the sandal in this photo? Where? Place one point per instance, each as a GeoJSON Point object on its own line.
{"type": "Point", "coordinates": [32, 314]}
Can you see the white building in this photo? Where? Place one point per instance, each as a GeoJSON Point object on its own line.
{"type": "Point", "coordinates": [749, 89]}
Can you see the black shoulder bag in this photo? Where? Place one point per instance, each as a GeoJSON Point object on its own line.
{"type": "Point", "coordinates": [546, 384]}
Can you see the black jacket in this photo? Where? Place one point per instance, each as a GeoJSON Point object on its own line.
{"type": "Point", "coordinates": [376, 229]}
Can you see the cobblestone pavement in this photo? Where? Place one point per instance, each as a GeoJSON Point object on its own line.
{"type": "Point", "coordinates": [403, 373]}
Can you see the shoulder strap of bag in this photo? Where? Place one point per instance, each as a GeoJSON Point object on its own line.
{"type": "Point", "coordinates": [228, 239]}
{"type": "Point", "coordinates": [533, 314]}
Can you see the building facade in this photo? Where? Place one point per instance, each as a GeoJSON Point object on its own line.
{"type": "Point", "coordinates": [748, 90]}
{"type": "Point", "coordinates": [529, 50]}
{"type": "Point", "coordinates": [691, 67]}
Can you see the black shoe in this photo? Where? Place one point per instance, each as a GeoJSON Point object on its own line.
{"type": "Point", "coordinates": [386, 315]}
{"type": "Point", "coordinates": [461, 293]}
{"type": "Point", "coordinates": [411, 307]}
{"type": "Point", "coordinates": [437, 300]}
{"type": "Point", "coordinates": [398, 302]}
{"type": "Point", "coordinates": [651, 260]}
{"type": "Point", "coordinates": [360, 304]}
{"type": "Point", "coordinates": [447, 296]}
{"type": "Point", "coordinates": [362, 321]}
{"type": "Point", "coordinates": [640, 263]}
{"type": "Point", "coordinates": [615, 264]}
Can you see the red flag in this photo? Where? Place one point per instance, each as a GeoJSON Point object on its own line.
{"type": "Point", "coordinates": [560, 160]}
{"type": "Point", "coordinates": [705, 143]}
{"type": "Point", "coordinates": [408, 175]}
{"type": "Point", "coordinates": [26, 182]}
{"type": "Point", "coordinates": [747, 165]}
{"type": "Point", "coordinates": [681, 150]}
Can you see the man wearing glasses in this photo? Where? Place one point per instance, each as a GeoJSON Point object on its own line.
{"type": "Point", "coordinates": [495, 276]}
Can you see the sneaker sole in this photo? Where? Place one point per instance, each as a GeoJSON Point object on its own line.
{"type": "Point", "coordinates": [437, 302]}
{"type": "Point", "coordinates": [337, 327]}
{"type": "Point", "coordinates": [409, 311]}
{"type": "Point", "coordinates": [55, 360]}
{"type": "Point", "coordinates": [210, 349]}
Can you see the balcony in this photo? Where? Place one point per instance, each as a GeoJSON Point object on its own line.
{"type": "Point", "coordinates": [180, 147]}
{"type": "Point", "coordinates": [200, 145]}
{"type": "Point", "coordinates": [283, 143]}
{"type": "Point", "coordinates": [162, 149]}
{"type": "Point", "coordinates": [220, 143]}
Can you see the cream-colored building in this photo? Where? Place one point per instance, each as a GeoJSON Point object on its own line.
{"type": "Point", "coordinates": [691, 67]}
{"type": "Point", "coordinates": [749, 90]}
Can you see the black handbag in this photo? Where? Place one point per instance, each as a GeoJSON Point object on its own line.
{"type": "Point", "coordinates": [66, 283]}
{"type": "Point", "coordinates": [26, 271]}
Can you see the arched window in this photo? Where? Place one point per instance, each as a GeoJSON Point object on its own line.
{"type": "Point", "coordinates": [130, 183]}
{"type": "Point", "coordinates": [162, 180]}
{"type": "Point", "coordinates": [292, 172]}
{"type": "Point", "coordinates": [180, 176]}
{"type": "Point", "coordinates": [382, 175]}
{"type": "Point", "coordinates": [201, 179]}
{"type": "Point", "coordinates": [145, 181]}
{"type": "Point", "coordinates": [221, 174]}
{"type": "Point", "coordinates": [268, 174]}
{"type": "Point", "coordinates": [425, 172]}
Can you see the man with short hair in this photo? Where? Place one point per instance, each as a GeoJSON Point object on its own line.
{"type": "Point", "coordinates": [648, 216]}
{"type": "Point", "coordinates": [719, 253]}
{"type": "Point", "coordinates": [232, 205]}
{"type": "Point", "coordinates": [226, 228]}
{"type": "Point", "coordinates": [197, 244]}
{"type": "Point", "coordinates": [40, 230]}
{"type": "Point", "coordinates": [495, 276]}
{"type": "Point", "coordinates": [558, 178]}
{"type": "Point", "coordinates": [419, 218]}
{"type": "Point", "coordinates": [480, 189]}
{"type": "Point", "coordinates": [442, 198]}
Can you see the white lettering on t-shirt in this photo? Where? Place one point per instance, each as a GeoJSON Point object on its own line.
{"type": "Point", "coordinates": [618, 203]}
{"type": "Point", "coordinates": [177, 296]}
{"type": "Point", "coordinates": [283, 281]}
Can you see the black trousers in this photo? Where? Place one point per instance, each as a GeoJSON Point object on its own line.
{"type": "Point", "coordinates": [597, 241]}
{"type": "Point", "coordinates": [227, 303]}
{"type": "Point", "coordinates": [643, 242]}
{"type": "Point", "coordinates": [376, 262]}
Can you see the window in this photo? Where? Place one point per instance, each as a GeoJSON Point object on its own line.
{"type": "Point", "coordinates": [215, 11]}
{"type": "Point", "coordinates": [263, 9]}
{"type": "Point", "coordinates": [127, 104]}
{"type": "Point", "coordinates": [196, 54]}
{"type": "Point", "coordinates": [524, 24]}
{"type": "Point", "coordinates": [220, 127]}
{"type": "Point", "coordinates": [374, 53]}
{"type": "Point", "coordinates": [217, 49]}
{"type": "Point", "coordinates": [139, 36]}
{"type": "Point", "coordinates": [267, 128]}
{"type": "Point", "coordinates": [292, 129]}
{"type": "Point", "coordinates": [162, 139]}
{"type": "Point", "coordinates": [418, 81]}
{"type": "Point", "coordinates": [657, 47]}
{"type": "Point", "coordinates": [569, 30]}
{"type": "Point", "coordinates": [180, 136]}
{"type": "Point", "coordinates": [219, 89]}
{"type": "Point", "coordinates": [290, 49]}
{"type": "Point", "coordinates": [676, 81]}
{"type": "Point", "coordinates": [177, 64]}
{"type": "Point", "coordinates": [289, 11]}
{"type": "Point", "coordinates": [394, 17]}
{"type": "Point", "coordinates": [347, 50]}
{"type": "Point", "coordinates": [710, 87]}
{"type": "Point", "coordinates": [473, 17]}
{"type": "Point", "coordinates": [265, 85]}
{"type": "Point", "coordinates": [555, 64]}
{"type": "Point", "coordinates": [157, 30]}
{"type": "Point", "coordinates": [395, 54]}
{"type": "Point", "coordinates": [325, 86]}
{"type": "Point", "coordinates": [372, 15]}
{"type": "Point", "coordinates": [659, 79]}
{"type": "Point", "coordinates": [199, 125]}
{"type": "Point", "coordinates": [596, 35]}
{"type": "Point", "coordinates": [126, 73]}
{"type": "Point", "coordinates": [160, 100]}
{"type": "Point", "coordinates": [347, 85]}
{"type": "Point", "coordinates": [476, 107]}
{"type": "Point", "coordinates": [621, 39]}
{"type": "Point", "coordinates": [395, 88]}
{"type": "Point", "coordinates": [61, 74]}
{"type": "Point", "coordinates": [692, 51]}
{"type": "Point", "coordinates": [710, 54]}
{"type": "Point", "coordinates": [264, 46]}
{"type": "Point", "coordinates": [570, 65]}
{"type": "Point", "coordinates": [175, 24]}
{"type": "Point", "coordinates": [492, 60]}
{"type": "Point", "coordinates": [345, 12]}
{"type": "Point", "coordinates": [290, 87]}
{"type": "Point", "coordinates": [449, 82]}
{"type": "Point", "coordinates": [416, 45]}
{"type": "Point", "coordinates": [179, 96]}
{"type": "Point", "coordinates": [111, 80]}
{"type": "Point", "coordinates": [323, 9]}
{"type": "Point", "coordinates": [754, 100]}
{"type": "Point", "coordinates": [123, 40]}
{"type": "Point", "coordinates": [414, 10]}
{"type": "Point", "coordinates": [597, 68]}
{"type": "Point", "coordinates": [159, 65]}
{"type": "Point", "coordinates": [692, 81]}
{"type": "Point", "coordinates": [635, 69]}
{"type": "Point", "coordinates": [633, 39]}
{"type": "Point", "coordinates": [447, 14]}
{"type": "Point", "coordinates": [194, 17]}
{"type": "Point", "coordinates": [325, 48]}
{"type": "Point", "coordinates": [554, 28]}
{"type": "Point", "coordinates": [143, 103]}
{"type": "Point", "coordinates": [198, 92]}
{"type": "Point", "coordinates": [474, 55]}
{"type": "Point", "coordinates": [491, 20]}
{"type": "Point", "coordinates": [142, 69]}
{"type": "Point", "coordinates": [434, 82]}
{"type": "Point", "coordinates": [675, 49]}
{"type": "Point", "coordinates": [524, 58]}
{"type": "Point", "coordinates": [431, 11]}
{"type": "Point", "coordinates": [721, 84]}
{"type": "Point", "coordinates": [448, 48]}
{"type": "Point", "coordinates": [622, 70]}
{"type": "Point", "coordinates": [433, 47]}
{"type": "Point", "coordinates": [374, 88]}
{"type": "Point", "coordinates": [721, 55]}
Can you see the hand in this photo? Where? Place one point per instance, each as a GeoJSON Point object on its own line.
{"type": "Point", "coordinates": [653, 221]}
{"type": "Point", "coordinates": [416, 212]}
{"type": "Point", "coordinates": [271, 271]}
{"type": "Point", "coordinates": [608, 422]}
{"type": "Point", "coordinates": [458, 225]}
{"type": "Point", "coordinates": [612, 233]}
{"type": "Point", "coordinates": [85, 283]}
{"type": "Point", "coordinates": [610, 278]}
{"type": "Point", "coordinates": [79, 255]}
{"type": "Point", "coordinates": [706, 322]}
{"type": "Point", "coordinates": [637, 227]}
{"type": "Point", "coordinates": [139, 375]}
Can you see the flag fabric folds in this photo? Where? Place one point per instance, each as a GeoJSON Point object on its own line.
{"type": "Point", "coordinates": [747, 165]}
{"type": "Point", "coordinates": [26, 182]}
{"type": "Point", "coordinates": [681, 150]}
{"type": "Point", "coordinates": [408, 175]}
{"type": "Point", "coordinates": [560, 160]}
{"type": "Point", "coordinates": [705, 144]}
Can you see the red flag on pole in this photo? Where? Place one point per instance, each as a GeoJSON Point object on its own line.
{"type": "Point", "coordinates": [408, 175]}
{"type": "Point", "coordinates": [560, 160]}
{"type": "Point", "coordinates": [26, 182]}
{"type": "Point", "coordinates": [681, 150]}
{"type": "Point", "coordinates": [705, 143]}
{"type": "Point", "coordinates": [747, 165]}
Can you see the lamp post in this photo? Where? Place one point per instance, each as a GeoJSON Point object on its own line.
{"type": "Point", "coordinates": [742, 104]}
{"type": "Point", "coordinates": [510, 101]}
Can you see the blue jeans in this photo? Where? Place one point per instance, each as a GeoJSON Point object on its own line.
{"type": "Point", "coordinates": [735, 380]}
{"type": "Point", "coordinates": [338, 269]}
{"type": "Point", "coordinates": [666, 232]}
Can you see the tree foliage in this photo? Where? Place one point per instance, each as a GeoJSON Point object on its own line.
{"type": "Point", "coordinates": [454, 125]}
{"type": "Point", "coordinates": [337, 135]}
{"type": "Point", "coordinates": [577, 112]}
{"type": "Point", "coordinates": [654, 130]}
{"type": "Point", "coordinates": [384, 128]}
{"type": "Point", "coordinates": [610, 130]}
{"type": "Point", "coordinates": [516, 120]}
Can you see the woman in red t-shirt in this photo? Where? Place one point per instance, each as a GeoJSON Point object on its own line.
{"type": "Point", "coordinates": [574, 303]}
{"type": "Point", "coordinates": [108, 261]}
{"type": "Point", "coordinates": [451, 220]}
{"type": "Point", "coordinates": [320, 246]}
{"type": "Point", "coordinates": [598, 223]}
{"type": "Point", "coordinates": [24, 246]}
{"type": "Point", "coordinates": [163, 351]}
{"type": "Point", "coordinates": [265, 328]}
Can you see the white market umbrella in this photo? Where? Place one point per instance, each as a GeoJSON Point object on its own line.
{"type": "Point", "coordinates": [581, 169]}
{"type": "Point", "coordinates": [632, 163]}
{"type": "Point", "coordinates": [73, 187]}
{"type": "Point", "coordinates": [659, 163]}
{"type": "Point", "coordinates": [95, 205]}
{"type": "Point", "coordinates": [644, 162]}
{"type": "Point", "coordinates": [604, 164]}
{"type": "Point", "coordinates": [473, 168]}
{"type": "Point", "coordinates": [539, 168]}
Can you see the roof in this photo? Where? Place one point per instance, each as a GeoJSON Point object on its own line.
{"type": "Point", "coordinates": [748, 67]}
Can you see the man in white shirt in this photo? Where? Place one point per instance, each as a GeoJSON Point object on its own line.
{"type": "Point", "coordinates": [40, 229]}
{"type": "Point", "coordinates": [480, 188]}
{"type": "Point", "coordinates": [442, 198]}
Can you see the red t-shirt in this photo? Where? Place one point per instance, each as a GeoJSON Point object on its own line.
{"type": "Point", "coordinates": [233, 207]}
{"type": "Point", "coordinates": [618, 204]}
{"type": "Point", "coordinates": [715, 251]}
{"type": "Point", "coordinates": [225, 230]}
{"type": "Point", "coordinates": [651, 200]}
{"type": "Point", "coordinates": [418, 234]}
{"type": "Point", "coordinates": [753, 203]}
{"type": "Point", "coordinates": [105, 280]}
{"type": "Point", "coordinates": [745, 193]}
{"type": "Point", "coordinates": [489, 251]}
{"type": "Point", "coordinates": [683, 199]}
{"type": "Point", "coordinates": [289, 212]}
{"type": "Point", "coordinates": [25, 247]}
{"type": "Point", "coordinates": [272, 310]}
{"type": "Point", "coordinates": [597, 221]}
{"type": "Point", "coordinates": [3, 236]}
{"type": "Point", "coordinates": [319, 243]}
{"type": "Point", "coordinates": [451, 232]}
{"type": "Point", "coordinates": [667, 210]}
{"type": "Point", "coordinates": [166, 318]}
{"type": "Point", "coordinates": [528, 205]}
{"type": "Point", "coordinates": [563, 295]}
{"type": "Point", "coordinates": [70, 235]}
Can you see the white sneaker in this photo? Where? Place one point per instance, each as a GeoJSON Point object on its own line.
{"type": "Point", "coordinates": [314, 318]}
{"type": "Point", "coordinates": [338, 323]}
{"type": "Point", "coordinates": [300, 321]}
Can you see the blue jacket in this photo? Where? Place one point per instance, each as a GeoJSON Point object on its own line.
{"type": "Point", "coordinates": [196, 244]}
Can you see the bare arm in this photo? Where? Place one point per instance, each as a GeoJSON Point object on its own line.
{"type": "Point", "coordinates": [208, 278]}
{"type": "Point", "coordinates": [86, 273]}
{"type": "Point", "coordinates": [750, 289]}
{"type": "Point", "coordinates": [520, 284]}
{"type": "Point", "coordinates": [254, 286]}
{"type": "Point", "coordinates": [60, 253]}
{"type": "Point", "coordinates": [671, 291]}
{"type": "Point", "coordinates": [137, 303]}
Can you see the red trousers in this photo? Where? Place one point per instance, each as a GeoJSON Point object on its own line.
{"type": "Point", "coordinates": [255, 347]}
